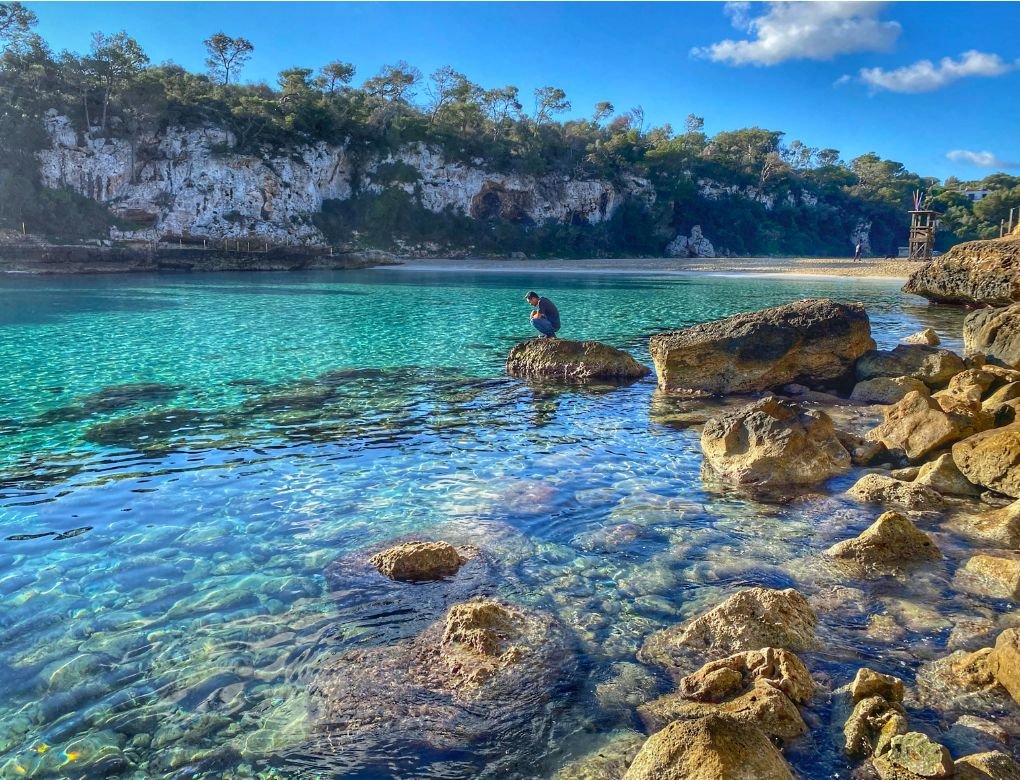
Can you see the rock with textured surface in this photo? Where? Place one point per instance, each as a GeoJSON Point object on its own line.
{"type": "Point", "coordinates": [996, 576]}
{"type": "Point", "coordinates": [808, 341]}
{"type": "Point", "coordinates": [994, 333]}
{"type": "Point", "coordinates": [773, 442]}
{"type": "Point", "coordinates": [890, 541]}
{"type": "Point", "coordinates": [607, 761]}
{"type": "Point", "coordinates": [992, 459]}
{"type": "Point", "coordinates": [871, 725]}
{"type": "Point", "coordinates": [983, 273]}
{"type": "Point", "coordinates": [886, 389]}
{"type": "Point", "coordinates": [572, 361]}
{"type": "Point", "coordinates": [942, 476]}
{"type": "Point", "coordinates": [1004, 662]}
{"type": "Point", "coordinates": [711, 748]}
{"type": "Point", "coordinates": [997, 527]}
{"type": "Point", "coordinates": [880, 489]}
{"type": "Point", "coordinates": [917, 424]}
{"type": "Point", "coordinates": [748, 620]}
{"type": "Point", "coordinates": [722, 679]}
{"type": "Point", "coordinates": [994, 765]}
{"type": "Point", "coordinates": [935, 367]}
{"type": "Point", "coordinates": [917, 753]}
{"type": "Point", "coordinates": [927, 337]}
{"type": "Point", "coordinates": [868, 682]}
{"type": "Point", "coordinates": [418, 561]}
{"type": "Point", "coordinates": [969, 385]}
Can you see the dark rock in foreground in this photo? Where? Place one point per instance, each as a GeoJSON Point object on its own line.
{"type": "Point", "coordinates": [977, 273]}
{"type": "Point", "coordinates": [572, 361]}
{"type": "Point", "coordinates": [809, 341]}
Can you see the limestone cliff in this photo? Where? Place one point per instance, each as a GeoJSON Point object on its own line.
{"type": "Point", "coordinates": [191, 183]}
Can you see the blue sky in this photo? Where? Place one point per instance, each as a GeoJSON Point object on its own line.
{"type": "Point", "coordinates": [851, 76]}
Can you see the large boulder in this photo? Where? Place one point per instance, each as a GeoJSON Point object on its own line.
{"type": "Point", "coordinates": [715, 747]}
{"type": "Point", "coordinates": [748, 620]}
{"type": "Point", "coordinates": [808, 341]}
{"type": "Point", "coordinates": [1004, 662]}
{"type": "Point", "coordinates": [982, 273]}
{"type": "Point", "coordinates": [881, 489]}
{"type": "Point", "coordinates": [572, 361]}
{"type": "Point", "coordinates": [890, 541]}
{"type": "Point", "coordinates": [773, 442]}
{"type": "Point", "coordinates": [933, 366]}
{"type": "Point", "coordinates": [418, 561]}
{"type": "Point", "coordinates": [992, 459]}
{"type": "Point", "coordinates": [917, 424]}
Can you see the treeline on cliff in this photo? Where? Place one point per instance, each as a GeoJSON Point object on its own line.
{"type": "Point", "coordinates": [768, 196]}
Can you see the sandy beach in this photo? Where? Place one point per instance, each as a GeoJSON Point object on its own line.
{"type": "Point", "coordinates": [808, 267]}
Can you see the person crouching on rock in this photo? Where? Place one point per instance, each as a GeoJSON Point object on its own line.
{"type": "Point", "coordinates": [545, 317]}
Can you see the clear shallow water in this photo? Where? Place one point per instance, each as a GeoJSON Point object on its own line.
{"type": "Point", "coordinates": [183, 457]}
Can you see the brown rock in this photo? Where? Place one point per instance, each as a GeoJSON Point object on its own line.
{"type": "Point", "coordinates": [981, 273]}
{"type": "Point", "coordinates": [917, 425]}
{"type": "Point", "coordinates": [942, 476]}
{"type": "Point", "coordinates": [869, 683]}
{"type": "Point", "coordinates": [723, 679]}
{"type": "Point", "coordinates": [995, 576]}
{"type": "Point", "coordinates": [998, 527]}
{"type": "Point", "coordinates": [995, 765]}
{"type": "Point", "coordinates": [608, 760]}
{"type": "Point", "coordinates": [933, 366]}
{"type": "Point", "coordinates": [892, 539]}
{"type": "Point", "coordinates": [992, 459]}
{"type": "Point", "coordinates": [1000, 397]}
{"type": "Point", "coordinates": [711, 748]}
{"type": "Point", "coordinates": [807, 341]}
{"type": "Point", "coordinates": [927, 337]}
{"type": "Point", "coordinates": [994, 333]}
{"type": "Point", "coordinates": [871, 718]}
{"type": "Point", "coordinates": [916, 753]}
{"type": "Point", "coordinates": [886, 389]}
{"type": "Point", "coordinates": [773, 442]}
{"type": "Point", "coordinates": [880, 489]}
{"type": "Point", "coordinates": [418, 561]}
{"type": "Point", "coordinates": [748, 620]}
{"type": "Point", "coordinates": [572, 361]}
{"type": "Point", "coordinates": [969, 385]}
{"type": "Point", "coordinates": [1004, 662]}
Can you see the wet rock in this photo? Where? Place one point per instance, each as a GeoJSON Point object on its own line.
{"type": "Point", "coordinates": [880, 489]}
{"type": "Point", "coordinates": [971, 633]}
{"type": "Point", "coordinates": [994, 333]}
{"type": "Point", "coordinates": [961, 683]}
{"type": "Point", "coordinates": [927, 337]}
{"type": "Point", "coordinates": [722, 679]}
{"type": "Point", "coordinates": [1004, 662]}
{"type": "Point", "coordinates": [994, 765]}
{"type": "Point", "coordinates": [572, 361]}
{"type": "Point", "coordinates": [935, 367]}
{"type": "Point", "coordinates": [608, 761]}
{"type": "Point", "coordinates": [807, 342]}
{"type": "Point", "coordinates": [862, 451]}
{"type": "Point", "coordinates": [971, 734]}
{"type": "Point", "coordinates": [710, 748]}
{"type": "Point", "coordinates": [886, 389]}
{"type": "Point", "coordinates": [999, 527]}
{"type": "Point", "coordinates": [891, 540]}
{"type": "Point", "coordinates": [871, 725]}
{"type": "Point", "coordinates": [992, 459]}
{"type": "Point", "coordinates": [418, 561]}
{"type": "Point", "coordinates": [869, 683]}
{"type": "Point", "coordinates": [942, 476]}
{"type": "Point", "coordinates": [748, 620]}
{"type": "Point", "coordinates": [916, 753]}
{"type": "Point", "coordinates": [996, 576]}
{"type": "Point", "coordinates": [486, 666]}
{"type": "Point", "coordinates": [773, 442]}
{"type": "Point", "coordinates": [981, 273]}
{"type": "Point", "coordinates": [917, 425]}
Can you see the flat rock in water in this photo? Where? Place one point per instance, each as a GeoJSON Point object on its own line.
{"type": "Point", "coordinates": [807, 342]}
{"type": "Point", "coordinates": [977, 273]}
{"type": "Point", "coordinates": [418, 561]}
{"type": "Point", "coordinates": [572, 361]}
{"type": "Point", "coordinates": [880, 489]}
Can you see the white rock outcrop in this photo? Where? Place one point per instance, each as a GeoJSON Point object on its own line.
{"type": "Point", "coordinates": [694, 246]}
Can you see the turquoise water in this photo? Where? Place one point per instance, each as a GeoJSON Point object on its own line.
{"type": "Point", "coordinates": [183, 457]}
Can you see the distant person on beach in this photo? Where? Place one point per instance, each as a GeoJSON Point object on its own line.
{"type": "Point", "coordinates": [545, 317]}
{"type": "Point", "coordinates": [858, 250]}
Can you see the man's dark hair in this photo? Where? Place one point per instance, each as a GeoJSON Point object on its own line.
{"type": "Point", "coordinates": [531, 295]}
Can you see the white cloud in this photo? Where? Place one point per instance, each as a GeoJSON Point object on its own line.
{"type": "Point", "coordinates": [924, 76]}
{"type": "Point", "coordinates": [801, 30]}
{"type": "Point", "coordinates": [980, 159]}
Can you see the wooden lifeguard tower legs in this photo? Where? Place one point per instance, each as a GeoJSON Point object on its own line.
{"type": "Point", "coordinates": [922, 230]}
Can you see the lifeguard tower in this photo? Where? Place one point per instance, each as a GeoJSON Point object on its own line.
{"type": "Point", "coordinates": [922, 230]}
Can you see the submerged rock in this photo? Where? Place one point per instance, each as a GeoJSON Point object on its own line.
{"type": "Point", "coordinates": [890, 541]}
{"type": "Point", "coordinates": [916, 753]}
{"type": "Point", "coordinates": [715, 747]}
{"type": "Point", "coordinates": [992, 459]}
{"type": "Point", "coordinates": [572, 361]}
{"type": "Point", "coordinates": [995, 576]}
{"type": "Point", "coordinates": [608, 761]}
{"type": "Point", "coordinates": [418, 561]}
{"type": "Point", "coordinates": [807, 341]}
{"type": "Point", "coordinates": [935, 367]}
{"type": "Point", "coordinates": [982, 273]}
{"type": "Point", "coordinates": [773, 442]}
{"type": "Point", "coordinates": [880, 489]}
{"type": "Point", "coordinates": [748, 620]}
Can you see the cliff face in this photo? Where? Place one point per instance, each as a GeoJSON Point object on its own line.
{"type": "Point", "coordinates": [189, 183]}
